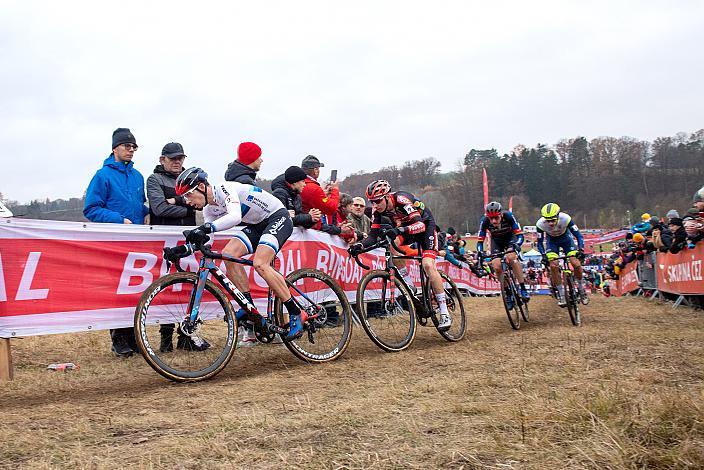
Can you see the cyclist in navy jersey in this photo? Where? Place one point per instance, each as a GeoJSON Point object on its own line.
{"type": "Point", "coordinates": [505, 233]}
{"type": "Point", "coordinates": [412, 222]}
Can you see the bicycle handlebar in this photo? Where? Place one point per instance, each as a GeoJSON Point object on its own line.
{"type": "Point", "coordinates": [383, 242]}
{"type": "Point", "coordinates": [172, 255]}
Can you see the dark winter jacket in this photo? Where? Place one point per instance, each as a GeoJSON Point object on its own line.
{"type": "Point", "coordinates": [161, 185]}
{"type": "Point", "coordinates": [679, 240]}
{"type": "Point", "coordinates": [291, 201]}
{"type": "Point", "coordinates": [241, 173]}
{"type": "Point", "coordinates": [115, 193]}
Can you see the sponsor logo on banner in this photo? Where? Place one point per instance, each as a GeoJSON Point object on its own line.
{"type": "Point", "coordinates": [681, 273]}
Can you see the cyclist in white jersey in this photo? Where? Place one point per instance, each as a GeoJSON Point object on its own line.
{"type": "Point", "coordinates": [556, 230]}
{"type": "Point", "coordinates": [267, 225]}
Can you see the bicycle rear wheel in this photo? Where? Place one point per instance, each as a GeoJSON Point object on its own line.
{"type": "Point", "coordinates": [174, 355]}
{"type": "Point", "coordinates": [386, 311]}
{"type": "Point", "coordinates": [455, 307]}
{"type": "Point", "coordinates": [327, 333]}
{"type": "Point", "coordinates": [572, 302]}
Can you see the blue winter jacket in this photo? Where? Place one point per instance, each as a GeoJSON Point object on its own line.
{"type": "Point", "coordinates": [115, 193]}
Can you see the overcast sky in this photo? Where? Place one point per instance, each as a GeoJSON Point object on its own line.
{"type": "Point", "coordinates": [360, 85]}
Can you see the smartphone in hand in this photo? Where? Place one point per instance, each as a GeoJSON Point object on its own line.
{"type": "Point", "coordinates": [333, 176]}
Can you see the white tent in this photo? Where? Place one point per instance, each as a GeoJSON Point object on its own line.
{"type": "Point", "coordinates": [532, 254]}
{"type": "Point", "coordinates": [4, 211]}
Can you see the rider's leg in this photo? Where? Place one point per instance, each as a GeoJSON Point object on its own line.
{"type": "Point", "coordinates": [518, 272]}
{"type": "Point", "coordinates": [555, 278]}
{"type": "Point", "coordinates": [436, 284]}
{"type": "Point", "coordinates": [496, 265]}
{"type": "Point", "coordinates": [402, 266]}
{"type": "Point", "coordinates": [235, 272]}
{"type": "Point", "coordinates": [577, 268]}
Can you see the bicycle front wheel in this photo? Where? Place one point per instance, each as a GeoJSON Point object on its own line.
{"type": "Point", "coordinates": [328, 331]}
{"type": "Point", "coordinates": [572, 302]}
{"type": "Point", "coordinates": [510, 300]}
{"type": "Point", "coordinates": [386, 311]}
{"type": "Point", "coordinates": [177, 356]}
{"type": "Point", "coordinates": [455, 307]}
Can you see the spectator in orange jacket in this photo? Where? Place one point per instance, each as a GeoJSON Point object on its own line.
{"type": "Point", "coordinates": [314, 196]}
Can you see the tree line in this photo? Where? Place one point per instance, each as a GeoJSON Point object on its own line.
{"type": "Point", "coordinates": [602, 182]}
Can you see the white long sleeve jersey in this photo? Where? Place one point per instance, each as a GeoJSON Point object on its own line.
{"type": "Point", "coordinates": [237, 203]}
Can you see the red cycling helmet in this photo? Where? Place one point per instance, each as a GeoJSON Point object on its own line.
{"type": "Point", "coordinates": [378, 189]}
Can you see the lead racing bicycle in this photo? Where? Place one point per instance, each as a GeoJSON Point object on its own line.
{"type": "Point", "coordinates": [389, 308]}
{"type": "Point", "coordinates": [515, 305]}
{"type": "Point", "coordinates": [196, 304]}
{"type": "Point", "coordinates": [572, 296]}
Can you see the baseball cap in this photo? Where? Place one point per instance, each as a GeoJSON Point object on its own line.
{"type": "Point", "coordinates": [172, 150]}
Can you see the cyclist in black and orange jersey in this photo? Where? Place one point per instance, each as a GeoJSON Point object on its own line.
{"type": "Point", "coordinates": [413, 222]}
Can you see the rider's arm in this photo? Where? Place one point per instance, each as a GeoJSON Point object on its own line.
{"type": "Point", "coordinates": [373, 234]}
{"type": "Point", "coordinates": [577, 234]}
{"type": "Point", "coordinates": [230, 219]}
{"type": "Point", "coordinates": [516, 227]}
{"type": "Point", "coordinates": [481, 236]}
{"type": "Point", "coordinates": [541, 240]}
{"type": "Point", "coordinates": [418, 226]}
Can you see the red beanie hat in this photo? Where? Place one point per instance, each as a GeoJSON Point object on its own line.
{"type": "Point", "coordinates": [247, 152]}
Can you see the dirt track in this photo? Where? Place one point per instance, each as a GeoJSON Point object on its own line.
{"type": "Point", "coordinates": [623, 391]}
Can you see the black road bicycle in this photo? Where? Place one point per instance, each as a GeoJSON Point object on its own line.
{"type": "Point", "coordinates": [510, 289]}
{"type": "Point", "coordinates": [389, 309]}
{"type": "Point", "coordinates": [200, 310]}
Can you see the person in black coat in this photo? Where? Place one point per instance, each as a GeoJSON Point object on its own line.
{"type": "Point", "coordinates": [679, 235]}
{"type": "Point", "coordinates": [287, 188]}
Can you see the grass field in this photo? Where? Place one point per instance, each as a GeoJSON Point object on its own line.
{"type": "Point", "coordinates": [623, 391]}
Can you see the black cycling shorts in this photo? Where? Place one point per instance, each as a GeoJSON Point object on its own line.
{"type": "Point", "coordinates": [428, 240]}
{"type": "Point", "coordinates": [498, 244]}
{"type": "Point", "coordinates": [272, 232]}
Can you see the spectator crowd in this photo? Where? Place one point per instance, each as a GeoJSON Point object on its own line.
{"type": "Point", "coordinates": [673, 233]}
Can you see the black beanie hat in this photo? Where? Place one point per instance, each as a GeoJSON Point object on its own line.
{"type": "Point", "coordinates": [122, 135]}
{"type": "Point", "coordinates": [294, 174]}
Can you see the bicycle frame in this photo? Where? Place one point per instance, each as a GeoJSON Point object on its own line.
{"type": "Point", "coordinates": [207, 266]}
{"type": "Point", "coordinates": [426, 289]}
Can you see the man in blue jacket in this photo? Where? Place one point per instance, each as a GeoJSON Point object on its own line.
{"type": "Point", "coordinates": [116, 195]}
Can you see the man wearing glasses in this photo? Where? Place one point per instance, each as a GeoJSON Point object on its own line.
{"type": "Point", "coordinates": [556, 229]}
{"type": "Point", "coordinates": [412, 223]}
{"type": "Point", "coordinates": [360, 221]}
{"type": "Point", "coordinates": [167, 208]}
{"type": "Point", "coordinates": [116, 195]}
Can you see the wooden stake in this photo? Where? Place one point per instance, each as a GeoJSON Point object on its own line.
{"type": "Point", "coordinates": [5, 360]}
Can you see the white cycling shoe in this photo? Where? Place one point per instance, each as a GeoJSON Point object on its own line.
{"type": "Point", "coordinates": [445, 322]}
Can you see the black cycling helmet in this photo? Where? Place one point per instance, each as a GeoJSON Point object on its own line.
{"type": "Point", "coordinates": [189, 179]}
{"type": "Point", "coordinates": [493, 208]}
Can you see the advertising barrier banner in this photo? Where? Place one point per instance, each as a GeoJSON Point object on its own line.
{"type": "Point", "coordinates": [58, 277]}
{"type": "Point", "coordinates": [681, 273]}
{"type": "Point", "coordinates": [627, 282]}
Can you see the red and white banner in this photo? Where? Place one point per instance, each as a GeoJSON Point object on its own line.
{"type": "Point", "coordinates": [627, 280]}
{"type": "Point", "coordinates": [58, 277]}
{"type": "Point", "coordinates": [681, 273]}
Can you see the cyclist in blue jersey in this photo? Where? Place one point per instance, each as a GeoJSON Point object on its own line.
{"type": "Point", "coordinates": [505, 233]}
{"type": "Point", "coordinates": [557, 231]}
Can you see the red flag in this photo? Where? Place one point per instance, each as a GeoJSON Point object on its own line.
{"type": "Point", "coordinates": [486, 187]}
